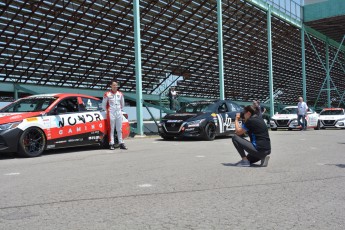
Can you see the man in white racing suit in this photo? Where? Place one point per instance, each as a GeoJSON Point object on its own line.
{"type": "Point", "coordinates": [113, 102]}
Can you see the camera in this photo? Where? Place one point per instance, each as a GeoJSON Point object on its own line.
{"type": "Point", "coordinates": [242, 115]}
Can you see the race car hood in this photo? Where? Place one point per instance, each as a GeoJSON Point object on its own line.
{"type": "Point", "coordinates": [284, 116]}
{"type": "Point", "coordinates": [13, 117]}
{"type": "Point", "coordinates": [181, 116]}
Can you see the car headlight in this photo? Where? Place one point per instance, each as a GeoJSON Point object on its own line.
{"type": "Point", "coordinates": [294, 121]}
{"type": "Point", "coordinates": [8, 126]}
{"type": "Point", "coordinates": [195, 123]}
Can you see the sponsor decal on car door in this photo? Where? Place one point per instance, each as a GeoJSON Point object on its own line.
{"type": "Point", "coordinates": [312, 120]}
{"type": "Point", "coordinates": [225, 122]}
{"type": "Point", "coordinates": [76, 128]}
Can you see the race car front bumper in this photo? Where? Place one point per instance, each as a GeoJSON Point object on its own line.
{"type": "Point", "coordinates": [284, 124]}
{"type": "Point", "coordinates": [184, 131]}
{"type": "Point", "coordinates": [9, 140]}
{"type": "Point", "coordinates": [332, 123]}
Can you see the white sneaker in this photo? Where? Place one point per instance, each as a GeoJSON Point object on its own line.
{"type": "Point", "coordinates": [264, 162]}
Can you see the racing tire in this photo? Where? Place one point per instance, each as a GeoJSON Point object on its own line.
{"type": "Point", "coordinates": [104, 143]}
{"type": "Point", "coordinates": [317, 126]}
{"type": "Point", "coordinates": [167, 138]}
{"type": "Point", "coordinates": [210, 132]}
{"type": "Point", "coordinates": [32, 142]}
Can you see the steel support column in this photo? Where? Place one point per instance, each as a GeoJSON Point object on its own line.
{"type": "Point", "coordinates": [304, 77]}
{"type": "Point", "coordinates": [15, 92]}
{"type": "Point", "coordinates": [138, 77]}
{"type": "Point", "coordinates": [328, 82]}
{"type": "Point", "coordinates": [270, 66]}
{"type": "Point", "coordinates": [220, 49]}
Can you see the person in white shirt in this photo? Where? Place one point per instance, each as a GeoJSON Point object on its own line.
{"type": "Point", "coordinates": [302, 109]}
{"type": "Point", "coordinates": [113, 102]}
{"type": "Point", "coordinates": [173, 98]}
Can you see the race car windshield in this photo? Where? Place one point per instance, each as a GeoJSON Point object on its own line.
{"type": "Point", "coordinates": [332, 112]}
{"type": "Point", "coordinates": [29, 105]}
{"type": "Point", "coordinates": [198, 107]}
{"type": "Point", "coordinates": [289, 111]}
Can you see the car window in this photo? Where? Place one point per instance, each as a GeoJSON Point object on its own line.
{"type": "Point", "coordinates": [196, 107]}
{"type": "Point", "coordinates": [32, 104]}
{"type": "Point", "coordinates": [70, 105]}
{"type": "Point", "coordinates": [223, 108]}
{"type": "Point", "coordinates": [289, 111]}
{"type": "Point", "coordinates": [92, 104]}
{"type": "Point", "coordinates": [233, 107]}
{"type": "Point", "coordinates": [332, 112]}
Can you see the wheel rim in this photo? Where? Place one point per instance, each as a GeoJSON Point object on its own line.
{"type": "Point", "coordinates": [33, 142]}
{"type": "Point", "coordinates": [211, 131]}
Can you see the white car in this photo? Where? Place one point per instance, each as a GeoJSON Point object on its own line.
{"type": "Point", "coordinates": [331, 118]}
{"type": "Point", "coordinates": [287, 119]}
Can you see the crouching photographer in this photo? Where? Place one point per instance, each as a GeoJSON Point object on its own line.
{"type": "Point", "coordinates": [259, 146]}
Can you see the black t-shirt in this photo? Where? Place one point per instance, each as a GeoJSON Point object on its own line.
{"type": "Point", "coordinates": [258, 133]}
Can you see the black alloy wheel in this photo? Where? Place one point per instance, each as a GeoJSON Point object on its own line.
{"type": "Point", "coordinates": [32, 142]}
{"type": "Point", "coordinates": [210, 132]}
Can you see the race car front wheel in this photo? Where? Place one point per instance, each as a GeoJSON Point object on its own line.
{"type": "Point", "coordinates": [317, 126]}
{"type": "Point", "coordinates": [210, 132]}
{"type": "Point", "coordinates": [32, 142]}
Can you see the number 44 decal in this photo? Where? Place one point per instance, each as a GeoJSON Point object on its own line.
{"type": "Point", "coordinates": [227, 123]}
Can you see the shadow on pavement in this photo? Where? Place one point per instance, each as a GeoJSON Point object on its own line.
{"type": "Point", "coordinates": [70, 150]}
{"type": "Point", "coordinates": [7, 156]}
{"type": "Point", "coordinates": [338, 165]}
{"type": "Point", "coordinates": [235, 165]}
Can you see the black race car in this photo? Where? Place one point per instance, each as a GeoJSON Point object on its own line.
{"type": "Point", "coordinates": [205, 119]}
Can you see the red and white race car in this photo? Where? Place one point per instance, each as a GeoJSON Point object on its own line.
{"type": "Point", "coordinates": [32, 124]}
{"type": "Point", "coordinates": [331, 118]}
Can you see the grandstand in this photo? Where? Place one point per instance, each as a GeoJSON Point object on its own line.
{"type": "Point", "coordinates": [69, 45]}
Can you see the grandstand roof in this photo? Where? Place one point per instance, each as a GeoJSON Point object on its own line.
{"type": "Point", "coordinates": [333, 27]}
{"type": "Point", "coordinates": [87, 43]}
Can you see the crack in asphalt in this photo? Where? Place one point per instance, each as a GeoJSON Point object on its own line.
{"type": "Point", "coordinates": [168, 193]}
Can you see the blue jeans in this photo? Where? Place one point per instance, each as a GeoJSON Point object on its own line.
{"type": "Point", "coordinates": [303, 120]}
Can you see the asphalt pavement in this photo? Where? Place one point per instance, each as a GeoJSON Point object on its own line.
{"type": "Point", "coordinates": [187, 184]}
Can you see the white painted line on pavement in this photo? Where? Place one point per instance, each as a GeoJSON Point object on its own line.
{"type": "Point", "coordinates": [11, 174]}
{"type": "Point", "coordinates": [321, 164]}
{"type": "Point", "coordinates": [200, 156]}
{"type": "Point", "coordinates": [145, 185]}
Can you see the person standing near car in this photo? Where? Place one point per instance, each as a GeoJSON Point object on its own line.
{"type": "Point", "coordinates": [258, 109]}
{"type": "Point", "coordinates": [302, 109]}
{"type": "Point", "coordinates": [113, 102]}
{"type": "Point", "coordinates": [259, 146]}
{"type": "Point", "coordinates": [173, 98]}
